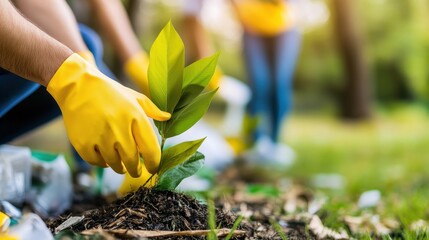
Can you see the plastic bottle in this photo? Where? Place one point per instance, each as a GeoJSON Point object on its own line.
{"type": "Point", "coordinates": [15, 173]}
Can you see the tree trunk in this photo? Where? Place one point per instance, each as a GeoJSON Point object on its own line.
{"type": "Point", "coordinates": [357, 94]}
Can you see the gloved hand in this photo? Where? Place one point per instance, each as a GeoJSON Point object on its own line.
{"type": "Point", "coordinates": [130, 184]}
{"type": "Point", "coordinates": [136, 68]}
{"type": "Point", "coordinates": [87, 55]}
{"type": "Point", "coordinates": [106, 122]}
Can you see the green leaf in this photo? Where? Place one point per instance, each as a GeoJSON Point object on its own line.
{"type": "Point", "coordinates": [172, 178]}
{"type": "Point", "coordinates": [196, 77]}
{"type": "Point", "coordinates": [189, 93]}
{"type": "Point", "coordinates": [177, 154]}
{"type": "Point", "coordinates": [187, 116]}
{"type": "Point", "coordinates": [165, 71]}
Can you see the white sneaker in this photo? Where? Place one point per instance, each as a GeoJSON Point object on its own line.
{"type": "Point", "coordinates": [267, 153]}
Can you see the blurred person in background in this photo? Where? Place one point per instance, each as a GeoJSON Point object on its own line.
{"type": "Point", "coordinates": [271, 45]}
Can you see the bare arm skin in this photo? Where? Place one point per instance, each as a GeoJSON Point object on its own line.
{"type": "Point", "coordinates": [55, 18]}
{"type": "Point", "coordinates": [112, 18]}
{"type": "Point", "coordinates": [196, 39]}
{"type": "Point", "coordinates": [26, 50]}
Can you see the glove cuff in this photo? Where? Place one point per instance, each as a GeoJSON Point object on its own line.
{"type": "Point", "coordinates": [64, 78]}
{"type": "Point", "coordinates": [136, 68]}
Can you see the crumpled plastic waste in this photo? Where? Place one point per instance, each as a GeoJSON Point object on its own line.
{"type": "Point", "coordinates": [15, 173]}
{"type": "Point", "coordinates": [29, 227]}
{"type": "Point", "coordinates": [51, 191]}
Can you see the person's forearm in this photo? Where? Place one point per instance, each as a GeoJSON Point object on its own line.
{"type": "Point", "coordinates": [114, 22]}
{"type": "Point", "coordinates": [26, 50]}
{"type": "Point", "coordinates": [55, 18]}
{"type": "Point", "coordinates": [196, 40]}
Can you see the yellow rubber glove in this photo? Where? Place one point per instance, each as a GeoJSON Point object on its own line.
{"type": "Point", "coordinates": [87, 55]}
{"type": "Point", "coordinates": [4, 222]}
{"type": "Point", "coordinates": [130, 184]}
{"type": "Point", "coordinates": [136, 68]}
{"type": "Point", "coordinates": [263, 17]}
{"type": "Point", "coordinates": [5, 236]}
{"type": "Point", "coordinates": [106, 122]}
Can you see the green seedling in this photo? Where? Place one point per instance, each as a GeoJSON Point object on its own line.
{"type": "Point", "coordinates": [234, 227]}
{"type": "Point", "coordinates": [180, 91]}
{"type": "Point", "coordinates": [211, 210]}
{"type": "Point", "coordinates": [278, 229]}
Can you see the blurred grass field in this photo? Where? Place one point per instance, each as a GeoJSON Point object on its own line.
{"type": "Point", "coordinates": [389, 153]}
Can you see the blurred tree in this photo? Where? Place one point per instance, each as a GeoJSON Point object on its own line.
{"type": "Point", "coordinates": [416, 62]}
{"type": "Point", "coordinates": [398, 47]}
{"type": "Point", "coordinates": [357, 96]}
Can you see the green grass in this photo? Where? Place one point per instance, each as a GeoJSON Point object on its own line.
{"type": "Point", "coordinates": [278, 229]}
{"type": "Point", "coordinates": [389, 153]}
{"type": "Point", "coordinates": [234, 227]}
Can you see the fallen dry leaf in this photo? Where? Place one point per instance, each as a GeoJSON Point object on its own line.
{"type": "Point", "coordinates": [419, 226]}
{"type": "Point", "coordinates": [144, 233]}
{"type": "Point", "coordinates": [299, 199]}
{"type": "Point", "coordinates": [103, 233]}
{"type": "Point", "coordinates": [369, 223]}
{"type": "Point", "coordinates": [316, 226]}
{"type": "Point", "coordinates": [68, 223]}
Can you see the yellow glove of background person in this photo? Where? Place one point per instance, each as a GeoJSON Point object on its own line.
{"type": "Point", "coordinates": [87, 55]}
{"type": "Point", "coordinates": [106, 122]}
{"type": "Point", "coordinates": [136, 68]}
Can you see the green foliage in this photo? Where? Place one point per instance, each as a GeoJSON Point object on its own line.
{"type": "Point", "coordinates": [398, 47]}
{"type": "Point", "coordinates": [196, 77]}
{"type": "Point", "coordinates": [178, 90]}
{"type": "Point", "coordinates": [172, 177]}
{"type": "Point", "coordinates": [178, 154]}
{"type": "Point", "coordinates": [187, 116]}
{"type": "Point", "coordinates": [165, 72]}
{"type": "Point", "coordinates": [263, 189]}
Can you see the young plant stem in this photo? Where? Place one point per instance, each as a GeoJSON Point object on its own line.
{"type": "Point", "coordinates": [162, 142]}
{"type": "Point", "coordinates": [148, 180]}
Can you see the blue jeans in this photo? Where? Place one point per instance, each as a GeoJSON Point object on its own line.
{"type": "Point", "coordinates": [26, 105]}
{"type": "Point", "coordinates": [270, 64]}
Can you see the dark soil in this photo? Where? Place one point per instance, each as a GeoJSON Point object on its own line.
{"type": "Point", "coordinates": [150, 210]}
{"type": "Point", "coordinates": [170, 211]}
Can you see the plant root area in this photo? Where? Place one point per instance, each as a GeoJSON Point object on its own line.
{"type": "Point", "coordinates": [154, 210]}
